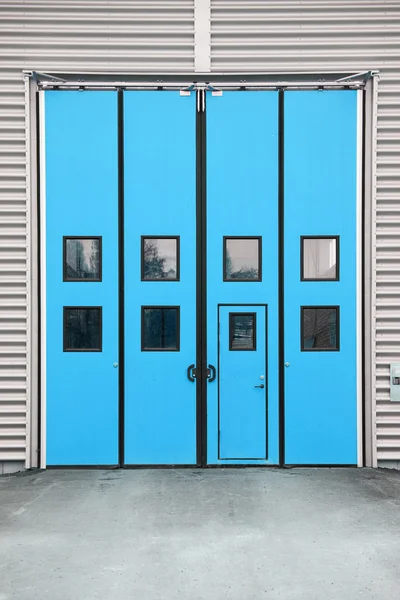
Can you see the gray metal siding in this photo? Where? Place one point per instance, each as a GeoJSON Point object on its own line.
{"type": "Point", "coordinates": [158, 36]}
{"type": "Point", "coordinates": [61, 35]}
{"type": "Point", "coordinates": [348, 36]}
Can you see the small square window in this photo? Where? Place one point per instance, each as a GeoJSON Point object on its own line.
{"type": "Point", "coordinates": [242, 259]}
{"type": "Point", "coordinates": [319, 328]}
{"type": "Point", "coordinates": [320, 258]}
{"type": "Point", "coordinates": [82, 259]}
{"type": "Point", "coordinates": [242, 331]}
{"type": "Point", "coordinates": [82, 329]}
{"type": "Point", "coordinates": [160, 258]}
{"type": "Point", "coordinates": [160, 328]}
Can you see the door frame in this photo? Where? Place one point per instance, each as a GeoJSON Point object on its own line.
{"type": "Point", "coordinates": [35, 84]}
{"type": "Point", "coordinates": [259, 305]}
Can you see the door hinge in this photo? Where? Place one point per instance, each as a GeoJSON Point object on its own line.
{"type": "Point", "coordinates": [201, 100]}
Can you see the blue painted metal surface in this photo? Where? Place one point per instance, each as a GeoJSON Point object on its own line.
{"type": "Point", "coordinates": [242, 200]}
{"type": "Point", "coordinates": [160, 199]}
{"type": "Point", "coordinates": [242, 406]}
{"type": "Point", "coordinates": [320, 199]}
{"type": "Point", "coordinates": [81, 199]}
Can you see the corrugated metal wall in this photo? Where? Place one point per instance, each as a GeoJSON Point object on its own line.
{"type": "Point", "coordinates": [157, 36]}
{"type": "Point", "coordinates": [75, 36]}
{"type": "Point", "coordinates": [350, 36]}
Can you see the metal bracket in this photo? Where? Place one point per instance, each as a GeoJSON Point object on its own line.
{"type": "Point", "coordinates": [362, 74]}
{"type": "Point", "coordinates": [186, 91]}
{"type": "Point", "coordinates": [35, 74]}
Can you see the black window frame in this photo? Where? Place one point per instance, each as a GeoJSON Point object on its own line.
{"type": "Point", "coordinates": [178, 257]}
{"type": "Point", "coordinates": [242, 237]}
{"type": "Point", "coordinates": [319, 237]}
{"type": "Point", "coordinates": [82, 237]}
{"type": "Point", "coordinates": [178, 328]}
{"type": "Point", "coordinates": [320, 306]}
{"type": "Point", "coordinates": [242, 314]}
{"type": "Point", "coordinates": [65, 309]}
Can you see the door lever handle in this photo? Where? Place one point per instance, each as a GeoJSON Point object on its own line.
{"type": "Point", "coordinates": [211, 373]}
{"type": "Point", "coordinates": [191, 373]}
{"type": "Point", "coordinates": [260, 386]}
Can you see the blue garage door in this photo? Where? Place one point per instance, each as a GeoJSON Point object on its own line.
{"type": "Point", "coordinates": [200, 275]}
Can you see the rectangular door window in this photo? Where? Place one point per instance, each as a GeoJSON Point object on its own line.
{"type": "Point", "coordinates": [160, 258]}
{"type": "Point", "coordinates": [160, 328]}
{"type": "Point", "coordinates": [82, 329]}
{"type": "Point", "coordinates": [82, 259]}
{"type": "Point", "coordinates": [242, 258]}
{"type": "Point", "coordinates": [320, 258]}
{"type": "Point", "coordinates": [319, 328]}
{"type": "Point", "coordinates": [242, 331]}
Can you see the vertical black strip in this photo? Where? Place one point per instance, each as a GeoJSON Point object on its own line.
{"type": "Point", "coordinates": [121, 286]}
{"type": "Point", "coordinates": [363, 278]}
{"type": "Point", "coordinates": [39, 346]}
{"type": "Point", "coordinates": [201, 291]}
{"type": "Point", "coordinates": [281, 285]}
{"type": "Point", "coordinates": [162, 328]}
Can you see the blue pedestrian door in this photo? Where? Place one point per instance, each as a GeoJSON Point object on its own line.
{"type": "Point", "coordinates": [242, 383]}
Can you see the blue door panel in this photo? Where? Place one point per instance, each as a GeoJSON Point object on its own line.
{"type": "Point", "coordinates": [242, 200]}
{"type": "Point", "coordinates": [81, 200]}
{"type": "Point", "coordinates": [160, 200]}
{"type": "Point", "coordinates": [320, 199]}
{"type": "Point", "coordinates": [320, 146]}
{"type": "Point", "coordinates": [242, 405]}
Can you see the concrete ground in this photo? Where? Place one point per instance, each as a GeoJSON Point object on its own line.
{"type": "Point", "coordinates": [317, 534]}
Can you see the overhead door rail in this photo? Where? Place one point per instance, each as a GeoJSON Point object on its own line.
{"type": "Point", "coordinates": [202, 82]}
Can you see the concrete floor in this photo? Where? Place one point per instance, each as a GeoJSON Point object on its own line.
{"type": "Point", "coordinates": [200, 534]}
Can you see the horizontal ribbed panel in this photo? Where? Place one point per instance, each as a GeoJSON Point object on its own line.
{"type": "Point", "coordinates": [50, 35]}
{"type": "Point", "coordinates": [13, 274]}
{"type": "Point", "coordinates": [124, 36]}
{"type": "Point", "coordinates": [344, 36]}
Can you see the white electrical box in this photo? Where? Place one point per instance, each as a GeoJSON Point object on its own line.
{"type": "Point", "coordinates": [395, 382]}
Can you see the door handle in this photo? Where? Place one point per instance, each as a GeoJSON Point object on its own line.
{"type": "Point", "coordinates": [211, 373]}
{"type": "Point", "coordinates": [262, 386]}
{"type": "Point", "coordinates": [191, 372]}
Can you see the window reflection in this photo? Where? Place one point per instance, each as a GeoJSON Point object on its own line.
{"type": "Point", "coordinates": [320, 258]}
{"type": "Point", "coordinates": [82, 329]}
{"type": "Point", "coordinates": [320, 328]}
{"type": "Point", "coordinates": [242, 259]}
{"type": "Point", "coordinates": [242, 331]}
{"type": "Point", "coordinates": [82, 259]}
{"type": "Point", "coordinates": [160, 328]}
{"type": "Point", "coordinates": [160, 258]}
